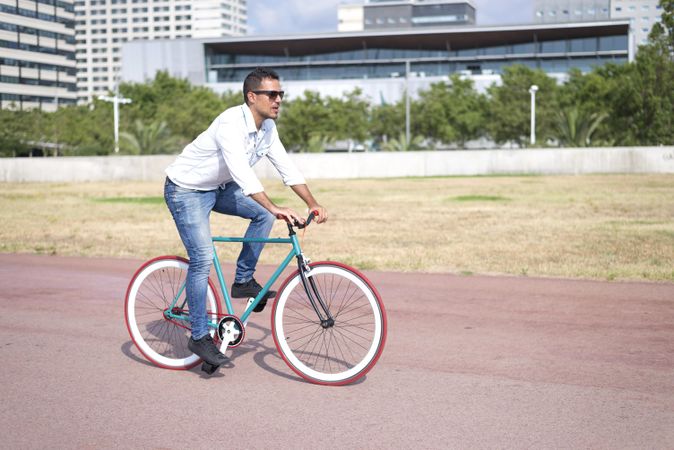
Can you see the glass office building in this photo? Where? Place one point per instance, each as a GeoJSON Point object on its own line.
{"type": "Point", "coordinates": [368, 58]}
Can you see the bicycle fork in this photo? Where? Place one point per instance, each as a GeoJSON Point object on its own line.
{"type": "Point", "coordinates": [320, 308]}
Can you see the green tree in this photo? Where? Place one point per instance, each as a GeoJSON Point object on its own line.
{"type": "Point", "coordinates": [452, 113]}
{"type": "Point", "coordinates": [663, 31]}
{"type": "Point", "coordinates": [400, 144]}
{"type": "Point", "coordinates": [310, 122]}
{"type": "Point", "coordinates": [576, 128]}
{"type": "Point", "coordinates": [509, 106]}
{"type": "Point", "coordinates": [317, 143]}
{"type": "Point", "coordinates": [348, 116]}
{"type": "Point", "coordinates": [386, 121]}
{"type": "Point", "coordinates": [187, 110]}
{"type": "Point", "coordinates": [148, 139]}
{"type": "Point", "coordinates": [302, 118]}
{"type": "Point", "coordinates": [13, 133]}
{"type": "Point", "coordinates": [640, 96]}
{"type": "Point", "coordinates": [647, 100]}
{"type": "Point", "coordinates": [589, 94]}
{"type": "Point", "coordinates": [190, 114]}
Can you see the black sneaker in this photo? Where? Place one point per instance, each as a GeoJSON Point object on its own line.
{"type": "Point", "coordinates": [205, 349]}
{"type": "Point", "coordinates": [250, 289]}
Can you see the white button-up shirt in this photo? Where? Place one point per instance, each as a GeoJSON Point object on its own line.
{"type": "Point", "coordinates": [228, 149]}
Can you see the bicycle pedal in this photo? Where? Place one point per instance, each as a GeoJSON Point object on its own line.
{"type": "Point", "coordinates": [209, 368]}
{"type": "Point", "coordinates": [260, 306]}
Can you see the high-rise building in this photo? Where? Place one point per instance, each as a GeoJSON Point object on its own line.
{"type": "Point", "coordinates": [642, 13]}
{"type": "Point", "coordinates": [104, 25]}
{"type": "Point", "coordinates": [37, 54]}
{"type": "Point", "coordinates": [401, 14]}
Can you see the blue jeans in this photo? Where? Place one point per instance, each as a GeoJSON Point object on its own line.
{"type": "Point", "coordinates": [191, 210]}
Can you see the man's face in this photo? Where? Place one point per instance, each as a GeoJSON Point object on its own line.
{"type": "Point", "coordinates": [266, 102]}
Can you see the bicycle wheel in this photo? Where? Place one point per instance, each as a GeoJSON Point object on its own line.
{"type": "Point", "coordinates": [336, 355]}
{"type": "Point", "coordinates": [151, 292]}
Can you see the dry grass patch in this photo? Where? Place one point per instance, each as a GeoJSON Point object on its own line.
{"type": "Point", "coordinates": [607, 227]}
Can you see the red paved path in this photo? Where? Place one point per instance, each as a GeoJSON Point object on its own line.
{"type": "Point", "coordinates": [473, 362]}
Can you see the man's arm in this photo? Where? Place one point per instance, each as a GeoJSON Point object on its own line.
{"type": "Point", "coordinates": [292, 177]}
{"type": "Point", "coordinates": [303, 192]}
{"type": "Point", "coordinates": [279, 212]}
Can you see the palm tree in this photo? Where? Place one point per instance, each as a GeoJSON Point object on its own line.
{"type": "Point", "coordinates": [401, 144]}
{"type": "Point", "coordinates": [149, 139]}
{"type": "Point", "coordinates": [575, 128]}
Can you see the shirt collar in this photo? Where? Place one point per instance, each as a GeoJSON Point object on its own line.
{"type": "Point", "coordinates": [250, 121]}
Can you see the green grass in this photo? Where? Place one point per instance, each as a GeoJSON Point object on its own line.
{"type": "Point", "coordinates": [609, 227]}
{"type": "Point", "coordinates": [131, 200]}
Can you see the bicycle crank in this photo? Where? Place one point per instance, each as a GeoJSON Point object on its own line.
{"type": "Point", "coordinates": [231, 330]}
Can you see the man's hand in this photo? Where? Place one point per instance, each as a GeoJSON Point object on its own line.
{"type": "Point", "coordinates": [302, 190]}
{"type": "Point", "coordinates": [287, 214]}
{"type": "Point", "coordinates": [321, 214]}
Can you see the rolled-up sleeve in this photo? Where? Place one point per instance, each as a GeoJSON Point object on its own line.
{"type": "Point", "coordinates": [279, 158]}
{"type": "Point", "coordinates": [232, 146]}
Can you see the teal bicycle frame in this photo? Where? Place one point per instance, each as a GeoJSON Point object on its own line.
{"type": "Point", "coordinates": [174, 313]}
{"type": "Point", "coordinates": [296, 252]}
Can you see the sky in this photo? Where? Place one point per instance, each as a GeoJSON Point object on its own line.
{"type": "Point", "coordinates": [274, 17]}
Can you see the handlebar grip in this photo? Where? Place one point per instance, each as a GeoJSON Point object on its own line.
{"type": "Point", "coordinates": [308, 221]}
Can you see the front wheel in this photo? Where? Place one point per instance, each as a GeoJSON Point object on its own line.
{"type": "Point", "coordinates": [157, 315]}
{"type": "Point", "coordinates": [332, 355]}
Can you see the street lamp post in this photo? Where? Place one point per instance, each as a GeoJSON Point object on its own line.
{"type": "Point", "coordinates": [532, 91]}
{"type": "Point", "coordinates": [407, 101]}
{"type": "Point", "coordinates": [116, 100]}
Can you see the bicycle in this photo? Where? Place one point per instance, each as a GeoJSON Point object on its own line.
{"type": "Point", "coordinates": [328, 320]}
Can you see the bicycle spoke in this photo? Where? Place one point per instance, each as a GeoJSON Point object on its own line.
{"type": "Point", "coordinates": [329, 351]}
{"type": "Point", "coordinates": [163, 340]}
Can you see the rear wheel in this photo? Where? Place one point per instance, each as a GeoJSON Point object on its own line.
{"type": "Point", "coordinates": [337, 354]}
{"type": "Point", "coordinates": [149, 299]}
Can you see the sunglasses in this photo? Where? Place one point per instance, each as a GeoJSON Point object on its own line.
{"type": "Point", "coordinates": [271, 94]}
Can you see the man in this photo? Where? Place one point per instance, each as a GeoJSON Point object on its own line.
{"type": "Point", "coordinates": [214, 173]}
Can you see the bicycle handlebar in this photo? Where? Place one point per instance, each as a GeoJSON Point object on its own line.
{"type": "Point", "coordinates": [306, 223]}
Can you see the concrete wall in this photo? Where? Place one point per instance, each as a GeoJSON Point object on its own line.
{"type": "Point", "coordinates": [363, 165]}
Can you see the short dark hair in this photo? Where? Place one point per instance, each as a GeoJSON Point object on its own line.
{"type": "Point", "coordinates": [254, 80]}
